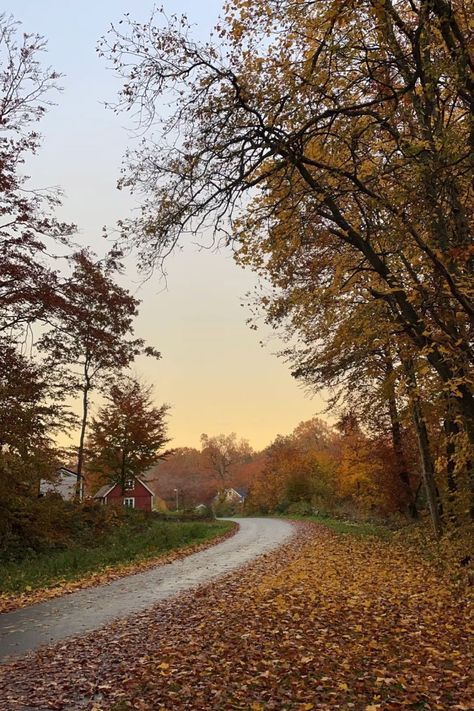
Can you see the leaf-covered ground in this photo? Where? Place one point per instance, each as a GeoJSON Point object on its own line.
{"type": "Point", "coordinates": [326, 622]}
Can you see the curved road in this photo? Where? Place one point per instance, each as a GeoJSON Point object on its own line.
{"type": "Point", "coordinates": [85, 610]}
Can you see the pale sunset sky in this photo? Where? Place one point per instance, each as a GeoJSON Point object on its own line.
{"type": "Point", "coordinates": [213, 372]}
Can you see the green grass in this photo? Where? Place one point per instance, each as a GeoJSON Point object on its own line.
{"type": "Point", "coordinates": [344, 528]}
{"type": "Point", "coordinates": [120, 546]}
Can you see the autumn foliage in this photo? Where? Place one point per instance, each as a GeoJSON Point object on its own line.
{"type": "Point", "coordinates": [128, 434]}
{"type": "Point", "coordinates": [192, 477]}
{"type": "Point", "coordinates": [331, 143]}
{"type": "Point", "coordinates": [66, 325]}
{"type": "Point", "coordinates": [337, 138]}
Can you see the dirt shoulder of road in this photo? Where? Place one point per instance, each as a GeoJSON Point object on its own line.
{"type": "Point", "coordinates": [15, 601]}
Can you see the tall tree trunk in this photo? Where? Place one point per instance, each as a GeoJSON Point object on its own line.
{"type": "Point", "coordinates": [451, 429]}
{"type": "Point", "coordinates": [397, 439]}
{"type": "Point", "coordinates": [85, 413]}
{"type": "Point", "coordinates": [470, 482]}
{"type": "Point", "coordinates": [427, 467]}
{"type": "Point", "coordinates": [123, 471]}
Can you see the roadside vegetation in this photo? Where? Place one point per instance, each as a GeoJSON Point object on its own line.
{"type": "Point", "coordinates": [359, 529]}
{"type": "Point", "coordinates": [90, 539]}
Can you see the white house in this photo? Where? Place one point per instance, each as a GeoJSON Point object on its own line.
{"type": "Point", "coordinates": [64, 484]}
{"type": "Point", "coordinates": [231, 496]}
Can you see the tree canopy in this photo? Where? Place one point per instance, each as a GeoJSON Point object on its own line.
{"type": "Point", "coordinates": [332, 144]}
{"type": "Point", "coordinates": [129, 432]}
{"type": "Point", "coordinates": [29, 285]}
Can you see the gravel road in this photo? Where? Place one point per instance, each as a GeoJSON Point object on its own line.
{"type": "Point", "coordinates": [32, 627]}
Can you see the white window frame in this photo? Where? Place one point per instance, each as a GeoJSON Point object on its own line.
{"type": "Point", "coordinates": [129, 485]}
{"type": "Point", "coordinates": [128, 499]}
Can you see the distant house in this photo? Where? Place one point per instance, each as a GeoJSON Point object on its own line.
{"type": "Point", "coordinates": [231, 496]}
{"type": "Point", "coordinates": [64, 483]}
{"type": "Point", "coordinates": [201, 508]}
{"type": "Point", "coordinates": [137, 495]}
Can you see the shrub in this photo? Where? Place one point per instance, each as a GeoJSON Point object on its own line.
{"type": "Point", "coordinates": [300, 508]}
{"type": "Point", "coordinates": [50, 523]}
{"type": "Point", "coordinates": [204, 512]}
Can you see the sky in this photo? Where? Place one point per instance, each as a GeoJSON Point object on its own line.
{"type": "Point", "coordinates": [213, 371]}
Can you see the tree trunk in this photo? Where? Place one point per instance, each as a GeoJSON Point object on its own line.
{"type": "Point", "coordinates": [82, 438]}
{"type": "Point", "coordinates": [451, 429]}
{"type": "Point", "coordinates": [427, 467]}
{"type": "Point", "coordinates": [123, 471]}
{"type": "Point", "coordinates": [397, 440]}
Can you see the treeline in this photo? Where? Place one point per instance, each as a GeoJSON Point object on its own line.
{"type": "Point", "coordinates": [66, 325]}
{"type": "Point", "coordinates": [341, 470]}
{"type": "Point", "coordinates": [332, 143]}
{"type": "Point", "coordinates": [189, 477]}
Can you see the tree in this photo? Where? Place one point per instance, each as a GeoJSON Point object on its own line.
{"type": "Point", "coordinates": [190, 472]}
{"type": "Point", "coordinates": [92, 333]}
{"type": "Point", "coordinates": [185, 470]}
{"type": "Point", "coordinates": [345, 343]}
{"type": "Point", "coordinates": [222, 453]}
{"type": "Point", "coordinates": [28, 285]}
{"type": "Point", "coordinates": [129, 432]}
{"type": "Point", "coordinates": [245, 473]}
{"type": "Point", "coordinates": [299, 469]}
{"type": "Point", "coordinates": [32, 412]}
{"type": "Point", "coordinates": [342, 127]}
{"type": "Point", "coordinates": [366, 479]}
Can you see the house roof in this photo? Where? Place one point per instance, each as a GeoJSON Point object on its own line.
{"type": "Point", "coordinates": [69, 471]}
{"type": "Point", "coordinates": [242, 492]}
{"type": "Point", "coordinates": [145, 485]}
{"type": "Point", "coordinates": [107, 488]}
{"type": "Point", "coordinates": [103, 491]}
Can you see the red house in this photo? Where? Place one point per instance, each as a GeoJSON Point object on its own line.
{"type": "Point", "coordinates": [137, 495]}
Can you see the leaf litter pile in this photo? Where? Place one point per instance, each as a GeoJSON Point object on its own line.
{"type": "Point", "coordinates": [325, 622]}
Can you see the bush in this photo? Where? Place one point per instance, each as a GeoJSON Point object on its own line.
{"type": "Point", "coordinates": [204, 512]}
{"type": "Point", "coordinates": [300, 508]}
{"type": "Point", "coordinates": [226, 508]}
{"type": "Point", "coordinates": [50, 523]}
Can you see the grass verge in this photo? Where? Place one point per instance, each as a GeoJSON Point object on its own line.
{"type": "Point", "coordinates": [346, 528]}
{"type": "Point", "coordinates": [120, 547]}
